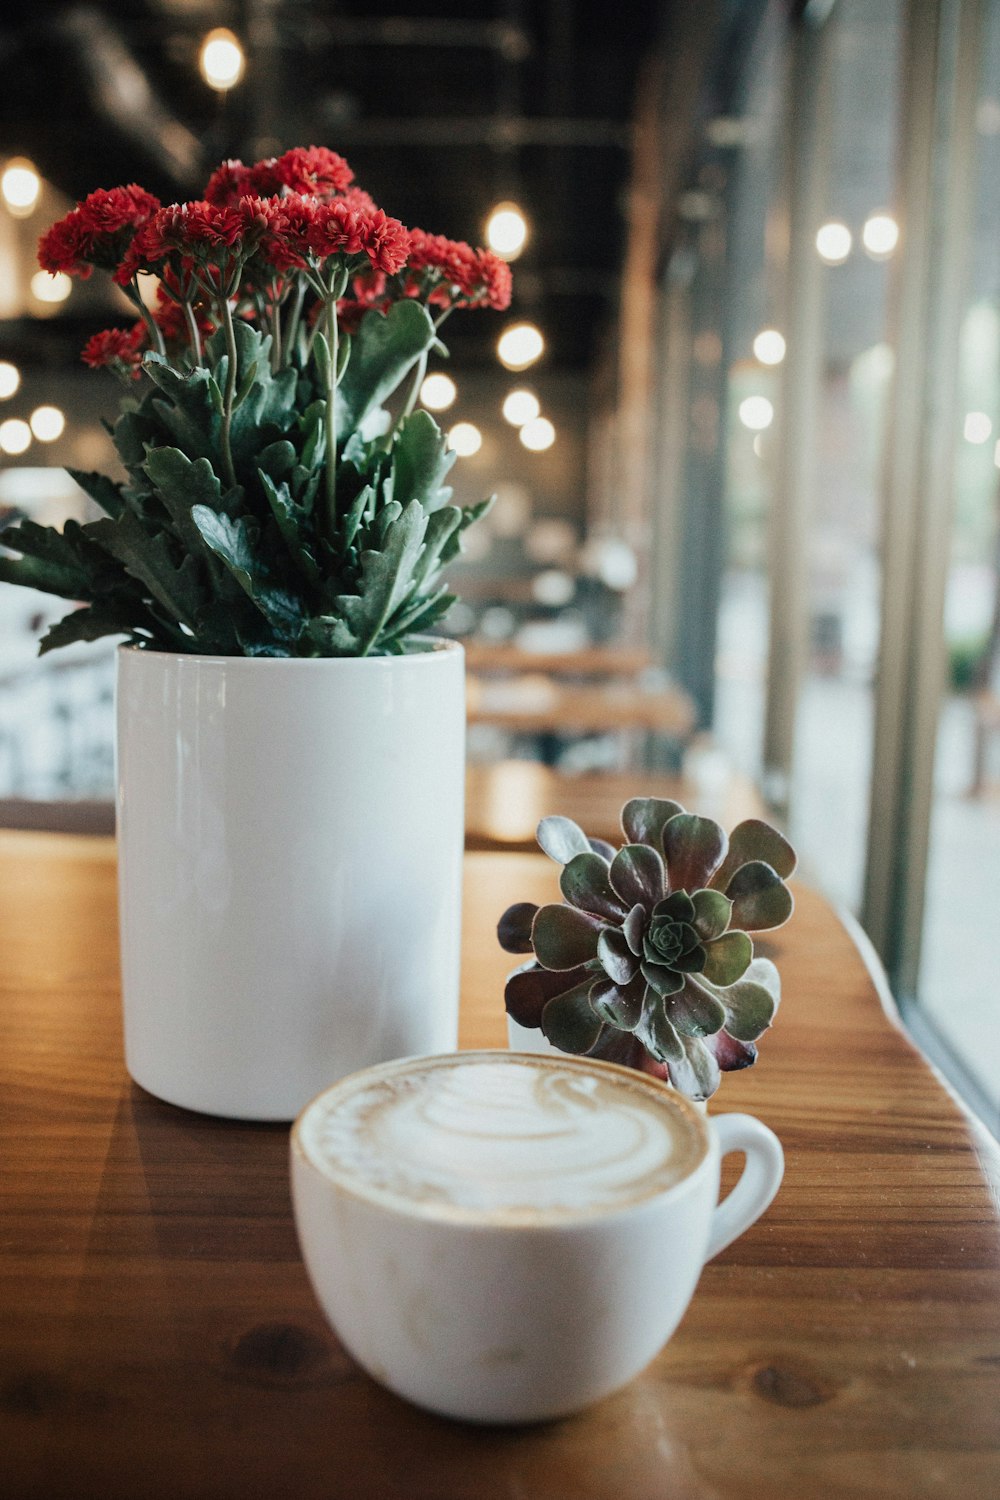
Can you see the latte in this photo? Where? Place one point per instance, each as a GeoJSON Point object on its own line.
{"type": "Point", "coordinates": [502, 1138]}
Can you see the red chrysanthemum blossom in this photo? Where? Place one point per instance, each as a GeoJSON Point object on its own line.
{"type": "Point", "coordinates": [357, 198]}
{"type": "Point", "coordinates": [169, 313]}
{"type": "Point", "coordinates": [336, 230]}
{"type": "Point", "coordinates": [119, 348]}
{"type": "Point", "coordinates": [387, 242]}
{"type": "Point", "coordinates": [453, 274]}
{"type": "Point", "coordinates": [230, 182]}
{"type": "Point", "coordinates": [284, 242]}
{"type": "Point", "coordinates": [189, 230]}
{"type": "Point", "coordinates": [313, 169]}
{"type": "Point", "coordinates": [97, 232]}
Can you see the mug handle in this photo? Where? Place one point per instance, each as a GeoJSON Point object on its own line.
{"type": "Point", "coordinates": [758, 1182]}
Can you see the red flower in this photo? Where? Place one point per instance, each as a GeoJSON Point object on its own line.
{"type": "Point", "coordinates": [230, 181]}
{"type": "Point", "coordinates": [368, 292]}
{"type": "Point", "coordinates": [285, 242]}
{"type": "Point", "coordinates": [98, 231]}
{"type": "Point", "coordinates": [188, 229]}
{"type": "Point", "coordinates": [312, 169]}
{"type": "Point", "coordinates": [456, 275]}
{"type": "Point", "coordinates": [336, 230]}
{"type": "Point", "coordinates": [387, 242]}
{"type": "Point", "coordinates": [120, 348]}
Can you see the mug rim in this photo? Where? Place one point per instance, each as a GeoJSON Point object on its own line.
{"type": "Point", "coordinates": [456, 1217]}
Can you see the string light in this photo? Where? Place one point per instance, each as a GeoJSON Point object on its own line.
{"type": "Point", "coordinates": [438, 392]}
{"type": "Point", "coordinates": [465, 438]}
{"type": "Point", "coordinates": [49, 287]}
{"type": "Point", "coordinates": [47, 423]}
{"type": "Point", "coordinates": [221, 60]}
{"type": "Point", "coordinates": [538, 434]}
{"type": "Point", "coordinates": [756, 412]}
{"type": "Point", "coordinates": [880, 236]}
{"type": "Point", "coordinates": [520, 407]}
{"type": "Point", "coordinates": [15, 436]}
{"type": "Point", "coordinates": [833, 242]}
{"type": "Point", "coordinates": [769, 346]}
{"type": "Point", "coordinates": [507, 230]}
{"type": "Point", "coordinates": [20, 186]}
{"type": "Point", "coordinates": [520, 345]}
{"type": "Point", "coordinates": [978, 427]}
{"type": "Point", "coordinates": [10, 379]}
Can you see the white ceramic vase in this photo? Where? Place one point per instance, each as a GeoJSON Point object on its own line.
{"type": "Point", "coordinates": [290, 862]}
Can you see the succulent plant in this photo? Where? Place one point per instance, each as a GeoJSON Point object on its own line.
{"type": "Point", "coordinates": [649, 961]}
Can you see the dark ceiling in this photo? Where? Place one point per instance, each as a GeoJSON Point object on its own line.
{"type": "Point", "coordinates": [441, 109]}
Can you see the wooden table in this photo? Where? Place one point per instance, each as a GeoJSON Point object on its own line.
{"type": "Point", "coordinates": [536, 704]}
{"type": "Point", "coordinates": [586, 661]}
{"type": "Point", "coordinates": [504, 801]}
{"type": "Point", "coordinates": [158, 1337]}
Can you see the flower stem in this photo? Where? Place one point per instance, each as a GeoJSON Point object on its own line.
{"type": "Point", "coordinates": [229, 473]}
{"type": "Point", "coordinates": [155, 336]}
{"type": "Point", "coordinates": [331, 420]}
{"type": "Point", "coordinates": [292, 331]}
{"type": "Point", "coordinates": [418, 380]}
{"type": "Point", "coordinates": [192, 327]}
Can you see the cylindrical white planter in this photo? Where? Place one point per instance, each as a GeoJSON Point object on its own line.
{"type": "Point", "coordinates": [290, 863]}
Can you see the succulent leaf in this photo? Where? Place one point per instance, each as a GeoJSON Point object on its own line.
{"type": "Point", "coordinates": [694, 848]}
{"type": "Point", "coordinates": [643, 819]}
{"type": "Point", "coordinates": [620, 963]}
{"type": "Point", "coordinates": [656, 1032]}
{"type": "Point", "coordinates": [603, 848]}
{"type": "Point", "coordinates": [530, 988]}
{"type": "Point", "coordinates": [563, 937]}
{"type": "Point", "coordinates": [760, 898]}
{"type": "Point", "coordinates": [619, 1006]}
{"type": "Point", "coordinates": [514, 927]}
{"type": "Point", "coordinates": [727, 958]}
{"type": "Point", "coordinates": [754, 839]}
{"type": "Point", "coordinates": [562, 839]}
{"type": "Point", "coordinates": [637, 875]}
{"type": "Point", "coordinates": [634, 926]}
{"type": "Point", "coordinates": [584, 883]}
{"type": "Point", "coordinates": [693, 1011]}
{"type": "Point", "coordinates": [730, 1054]}
{"type": "Point", "coordinates": [712, 913]}
{"type": "Point", "coordinates": [569, 1022]}
{"type": "Point", "coordinates": [664, 981]}
{"type": "Point", "coordinates": [749, 1009]}
{"type": "Point", "coordinates": [696, 1073]}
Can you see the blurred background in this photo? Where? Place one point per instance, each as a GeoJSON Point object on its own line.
{"type": "Point", "coordinates": [742, 420]}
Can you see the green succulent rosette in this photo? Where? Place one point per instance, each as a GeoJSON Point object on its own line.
{"type": "Point", "coordinates": [648, 961]}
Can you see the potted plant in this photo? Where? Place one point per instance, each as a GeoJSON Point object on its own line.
{"type": "Point", "coordinates": [648, 960]}
{"type": "Point", "coordinates": [290, 740]}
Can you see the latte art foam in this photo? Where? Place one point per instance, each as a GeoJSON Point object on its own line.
{"type": "Point", "coordinates": [506, 1138]}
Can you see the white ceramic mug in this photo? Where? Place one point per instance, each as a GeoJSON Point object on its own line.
{"type": "Point", "coordinates": [491, 1312]}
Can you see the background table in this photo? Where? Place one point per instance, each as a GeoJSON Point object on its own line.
{"type": "Point", "coordinates": [158, 1336]}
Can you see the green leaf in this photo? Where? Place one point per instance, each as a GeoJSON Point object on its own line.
{"type": "Point", "coordinates": [655, 1032]}
{"type": "Point", "coordinates": [291, 520]}
{"type": "Point", "coordinates": [102, 490]}
{"type": "Point", "coordinates": [711, 914]}
{"type": "Point", "coordinates": [564, 937]}
{"type": "Point", "coordinates": [569, 1021]}
{"type": "Point", "coordinates": [760, 898]}
{"type": "Point", "coordinates": [618, 1006]}
{"type": "Point", "coordinates": [619, 962]}
{"type": "Point", "coordinates": [662, 980]}
{"type": "Point", "coordinates": [386, 577]}
{"type": "Point", "coordinates": [91, 623]}
{"type": "Point", "coordinates": [696, 1072]}
{"type": "Point", "coordinates": [441, 526]}
{"type": "Point", "coordinates": [180, 484]}
{"type": "Point", "coordinates": [421, 459]}
{"type": "Point", "coordinates": [727, 958]}
{"type": "Point", "coordinates": [470, 514]}
{"type": "Point", "coordinates": [750, 1008]}
{"type": "Point", "coordinates": [694, 848]}
{"type": "Point", "coordinates": [514, 927]}
{"type": "Point", "coordinates": [383, 351]}
{"type": "Point", "coordinates": [277, 460]}
{"type": "Point", "coordinates": [562, 839]}
{"type": "Point", "coordinates": [48, 560]}
{"type": "Point", "coordinates": [584, 883]}
{"type": "Point", "coordinates": [637, 875]}
{"type": "Point", "coordinates": [643, 819]}
{"type": "Point", "coordinates": [332, 636]}
{"type": "Point", "coordinates": [754, 839]}
{"type": "Point", "coordinates": [230, 541]}
{"type": "Point", "coordinates": [695, 1011]}
{"type": "Point", "coordinates": [149, 557]}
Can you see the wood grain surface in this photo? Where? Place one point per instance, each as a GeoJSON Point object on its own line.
{"type": "Point", "coordinates": [535, 704]}
{"type": "Point", "coordinates": [158, 1336]}
{"type": "Point", "coordinates": [505, 800]}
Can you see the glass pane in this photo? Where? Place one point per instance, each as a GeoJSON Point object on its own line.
{"type": "Point", "coordinates": [834, 731]}
{"type": "Point", "coordinates": [958, 986]}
